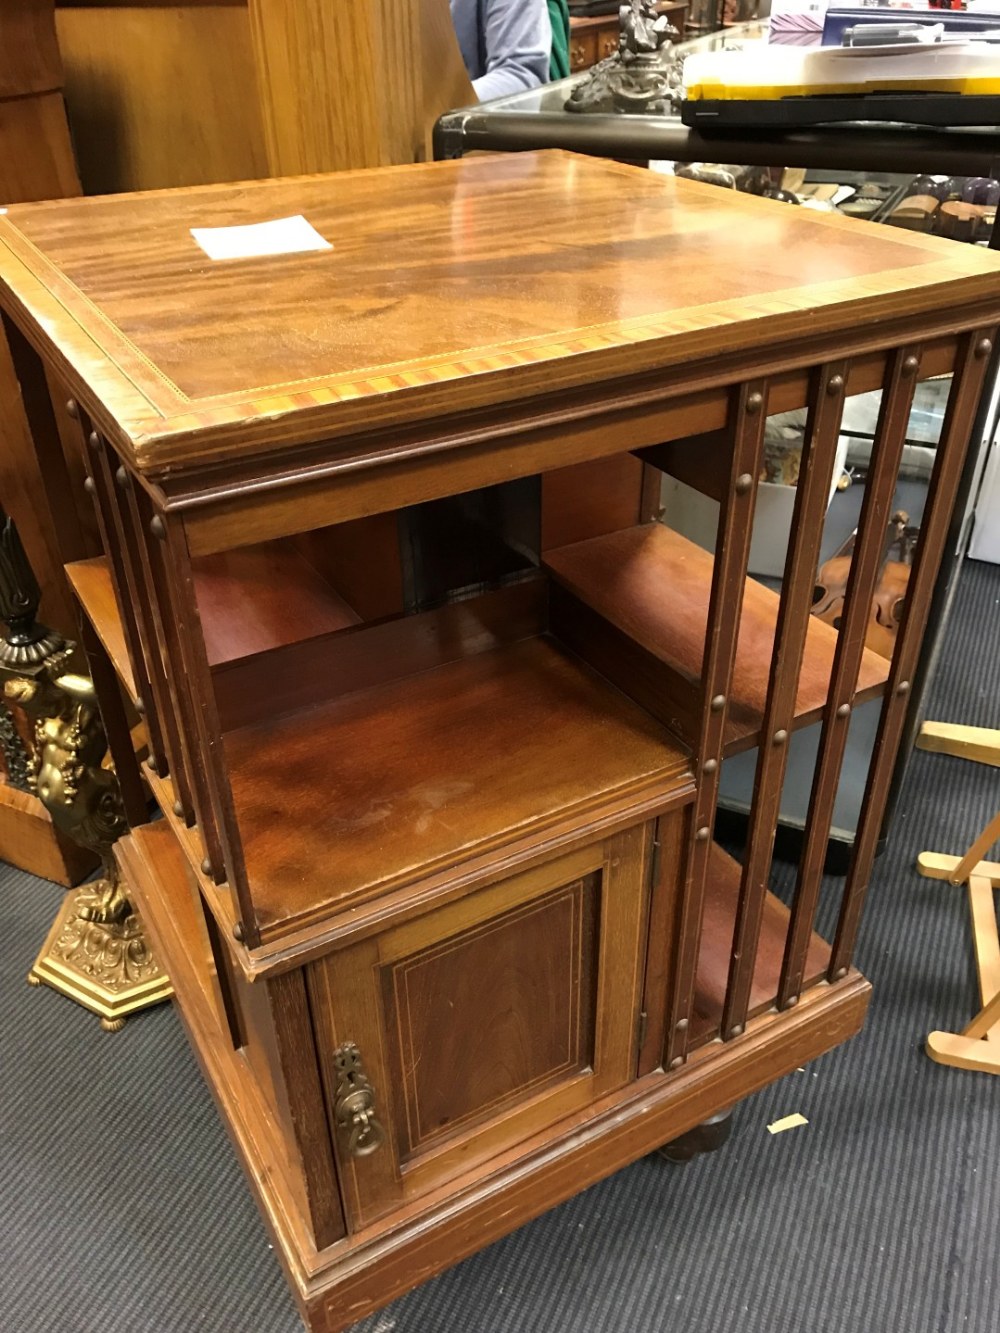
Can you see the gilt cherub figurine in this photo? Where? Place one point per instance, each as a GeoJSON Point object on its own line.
{"type": "Point", "coordinates": [65, 769]}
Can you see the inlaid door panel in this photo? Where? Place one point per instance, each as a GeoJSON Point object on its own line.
{"type": "Point", "coordinates": [485, 1021]}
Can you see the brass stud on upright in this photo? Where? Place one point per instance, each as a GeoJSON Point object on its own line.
{"type": "Point", "coordinates": [682, 1025]}
{"type": "Point", "coordinates": [983, 347]}
{"type": "Point", "coordinates": [71, 409]}
{"type": "Point", "coordinates": [780, 736]}
{"type": "Point", "coordinates": [903, 687]}
{"type": "Point", "coordinates": [755, 401]}
{"type": "Point", "coordinates": [834, 385]}
{"type": "Point", "coordinates": [178, 809]}
{"type": "Point", "coordinates": [238, 932]}
{"type": "Point", "coordinates": [743, 483]}
{"type": "Point", "coordinates": [121, 477]}
{"type": "Point", "coordinates": [702, 834]}
{"type": "Point", "coordinates": [88, 485]}
{"type": "Point", "coordinates": [710, 765]}
{"type": "Point", "coordinates": [206, 866]}
{"type": "Point", "coordinates": [157, 528]}
{"type": "Point", "coordinates": [911, 364]}
{"type": "Point", "coordinates": [718, 703]}
{"type": "Point", "coordinates": [844, 710]}
{"type": "Point", "coordinates": [94, 440]}
{"type": "Point", "coordinates": [676, 1062]}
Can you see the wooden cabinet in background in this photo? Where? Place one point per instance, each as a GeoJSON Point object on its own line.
{"type": "Point", "coordinates": [36, 157]}
{"type": "Point", "coordinates": [186, 93]}
{"type": "Point", "coordinates": [437, 714]}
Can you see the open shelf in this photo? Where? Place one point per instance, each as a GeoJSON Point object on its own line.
{"type": "Point", "coordinates": [722, 892]}
{"type": "Point", "coordinates": [654, 586]}
{"type": "Point", "coordinates": [341, 801]}
{"type": "Point", "coordinates": [260, 597]}
{"type": "Point", "coordinates": [91, 582]}
{"type": "Point", "coordinates": [249, 600]}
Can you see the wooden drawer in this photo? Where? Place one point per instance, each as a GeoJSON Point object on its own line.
{"type": "Point", "coordinates": [582, 48]}
{"type": "Point", "coordinates": [487, 1020]}
{"type": "Point", "coordinates": [607, 40]}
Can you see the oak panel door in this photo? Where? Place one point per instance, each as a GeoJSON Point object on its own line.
{"type": "Point", "coordinates": [487, 1020]}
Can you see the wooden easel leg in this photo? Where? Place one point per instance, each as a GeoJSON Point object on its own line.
{"type": "Point", "coordinates": [938, 865]}
{"type": "Point", "coordinates": [980, 744]}
{"type": "Point", "coordinates": [978, 1047]}
{"type": "Point", "coordinates": [959, 869]}
{"type": "Point", "coordinates": [962, 1051]}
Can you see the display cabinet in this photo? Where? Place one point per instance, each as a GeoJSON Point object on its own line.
{"type": "Point", "coordinates": [437, 711]}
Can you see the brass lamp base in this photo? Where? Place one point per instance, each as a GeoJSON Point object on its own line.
{"type": "Point", "coordinates": [108, 967]}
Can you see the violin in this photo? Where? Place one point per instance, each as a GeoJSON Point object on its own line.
{"type": "Point", "coordinates": [890, 591]}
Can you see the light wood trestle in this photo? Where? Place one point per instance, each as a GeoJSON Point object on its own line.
{"type": "Point", "coordinates": [977, 1046]}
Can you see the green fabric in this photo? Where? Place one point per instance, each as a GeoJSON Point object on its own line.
{"type": "Point", "coordinates": [559, 16]}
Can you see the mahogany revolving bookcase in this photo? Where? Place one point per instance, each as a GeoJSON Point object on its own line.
{"type": "Point", "coordinates": [437, 708]}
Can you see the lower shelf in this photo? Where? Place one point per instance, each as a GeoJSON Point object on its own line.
{"type": "Point", "coordinates": [721, 899]}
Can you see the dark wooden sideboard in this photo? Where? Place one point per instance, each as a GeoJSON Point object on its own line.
{"type": "Point", "coordinates": [436, 712]}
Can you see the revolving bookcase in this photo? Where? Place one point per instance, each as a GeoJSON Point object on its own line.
{"type": "Point", "coordinates": [437, 708]}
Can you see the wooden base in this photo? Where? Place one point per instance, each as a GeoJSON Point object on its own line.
{"type": "Point", "coordinates": [346, 1281]}
{"type": "Point", "coordinates": [29, 841]}
{"type": "Point", "coordinates": [109, 969]}
{"type": "Point", "coordinates": [711, 1135]}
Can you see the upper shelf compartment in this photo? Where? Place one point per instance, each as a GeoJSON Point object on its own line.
{"type": "Point", "coordinates": [652, 586]}
{"type": "Point", "coordinates": [249, 600]}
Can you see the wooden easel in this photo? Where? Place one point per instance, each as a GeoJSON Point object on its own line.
{"type": "Point", "coordinates": [978, 1045]}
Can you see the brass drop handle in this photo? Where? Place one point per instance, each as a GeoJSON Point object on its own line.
{"type": "Point", "coordinates": [354, 1105]}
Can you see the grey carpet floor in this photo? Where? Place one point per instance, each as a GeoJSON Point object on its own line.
{"type": "Point", "coordinates": [122, 1208]}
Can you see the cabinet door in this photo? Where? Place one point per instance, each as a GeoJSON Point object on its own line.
{"type": "Point", "coordinates": [484, 1022]}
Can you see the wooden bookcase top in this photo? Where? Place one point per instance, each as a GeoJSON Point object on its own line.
{"type": "Point", "coordinates": [447, 287]}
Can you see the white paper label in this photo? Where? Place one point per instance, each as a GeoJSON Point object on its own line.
{"type": "Point", "coordinates": [283, 236]}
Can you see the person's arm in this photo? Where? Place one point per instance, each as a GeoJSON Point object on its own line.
{"type": "Point", "coordinates": [518, 46]}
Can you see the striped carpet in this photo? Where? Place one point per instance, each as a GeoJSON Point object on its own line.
{"type": "Point", "coordinates": [123, 1209]}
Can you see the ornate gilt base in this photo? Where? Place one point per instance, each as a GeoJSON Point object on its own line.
{"type": "Point", "coordinates": [109, 968]}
